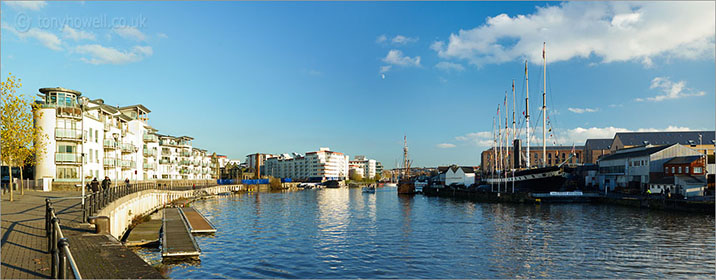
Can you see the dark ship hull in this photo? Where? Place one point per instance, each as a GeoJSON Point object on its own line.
{"type": "Point", "coordinates": [537, 180]}
{"type": "Point", "coordinates": [406, 187]}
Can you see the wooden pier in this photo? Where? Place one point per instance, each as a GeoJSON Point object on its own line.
{"type": "Point", "coordinates": [144, 234]}
{"type": "Point", "coordinates": [197, 222]}
{"type": "Point", "coordinates": [177, 240]}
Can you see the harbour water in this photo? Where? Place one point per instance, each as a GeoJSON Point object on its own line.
{"type": "Point", "coordinates": [345, 233]}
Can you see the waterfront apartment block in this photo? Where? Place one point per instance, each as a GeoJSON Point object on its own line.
{"type": "Point", "coordinates": [91, 139]}
{"type": "Point", "coordinates": [367, 168]}
{"type": "Point", "coordinates": [321, 165]}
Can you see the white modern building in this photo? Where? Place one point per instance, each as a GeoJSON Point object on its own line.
{"type": "Point", "coordinates": [320, 165]}
{"type": "Point", "coordinates": [96, 140]}
{"type": "Point", "coordinates": [364, 166]}
{"type": "Point", "coordinates": [460, 175]}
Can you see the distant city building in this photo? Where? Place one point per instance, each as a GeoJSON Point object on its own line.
{"type": "Point", "coordinates": [459, 175]}
{"type": "Point", "coordinates": [366, 167]}
{"type": "Point", "coordinates": [256, 162]}
{"type": "Point", "coordinates": [702, 141]}
{"type": "Point", "coordinates": [116, 142]}
{"type": "Point", "coordinates": [595, 148]}
{"type": "Point", "coordinates": [555, 155]}
{"type": "Point", "coordinates": [636, 167]}
{"type": "Point", "coordinates": [320, 165]}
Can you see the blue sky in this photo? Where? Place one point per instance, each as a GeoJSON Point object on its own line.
{"type": "Point", "coordinates": [277, 77]}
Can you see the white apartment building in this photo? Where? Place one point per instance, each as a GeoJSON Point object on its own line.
{"type": "Point", "coordinates": [320, 165]}
{"type": "Point", "coordinates": [116, 142]}
{"type": "Point", "coordinates": [364, 166]}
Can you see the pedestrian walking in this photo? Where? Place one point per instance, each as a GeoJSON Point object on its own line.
{"type": "Point", "coordinates": [95, 185]}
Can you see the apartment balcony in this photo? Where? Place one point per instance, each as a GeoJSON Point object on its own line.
{"type": "Point", "coordinates": [110, 162]}
{"type": "Point", "coordinates": [166, 161]}
{"type": "Point", "coordinates": [69, 112]}
{"type": "Point", "coordinates": [184, 171]}
{"type": "Point", "coordinates": [68, 134]}
{"type": "Point", "coordinates": [150, 153]}
{"type": "Point", "coordinates": [128, 148]}
{"type": "Point", "coordinates": [197, 163]}
{"type": "Point", "coordinates": [110, 144]}
{"type": "Point", "coordinates": [107, 126]}
{"type": "Point", "coordinates": [185, 162]}
{"type": "Point", "coordinates": [150, 138]}
{"type": "Point", "coordinates": [150, 166]}
{"type": "Point", "coordinates": [128, 164]}
{"type": "Point", "coordinates": [67, 158]}
{"type": "Point", "coordinates": [185, 153]}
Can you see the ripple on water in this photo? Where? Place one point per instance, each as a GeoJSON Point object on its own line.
{"type": "Point", "coordinates": [344, 233]}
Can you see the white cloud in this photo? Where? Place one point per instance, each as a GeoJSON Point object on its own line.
{"type": "Point", "coordinates": [582, 110]}
{"type": "Point", "coordinates": [45, 38]}
{"type": "Point", "coordinates": [480, 139]}
{"type": "Point", "coordinates": [396, 57]}
{"type": "Point", "coordinates": [612, 31]}
{"type": "Point", "coordinates": [381, 39]}
{"type": "Point", "coordinates": [402, 40]}
{"type": "Point", "coordinates": [74, 34]}
{"type": "Point", "coordinates": [615, 105]}
{"type": "Point", "coordinates": [576, 136]}
{"type": "Point", "coordinates": [129, 32]}
{"type": "Point", "coordinates": [670, 89]}
{"type": "Point", "coordinates": [445, 145]}
{"type": "Point", "coordinates": [385, 68]}
{"type": "Point", "coordinates": [29, 5]}
{"type": "Point", "coordinates": [162, 35]}
{"type": "Point", "coordinates": [449, 66]}
{"type": "Point", "coordinates": [107, 55]}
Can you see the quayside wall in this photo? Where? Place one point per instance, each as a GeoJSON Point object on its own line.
{"type": "Point", "coordinates": [123, 210]}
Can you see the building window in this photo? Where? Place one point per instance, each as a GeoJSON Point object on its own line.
{"type": "Point", "coordinates": [90, 154]}
{"type": "Point", "coordinates": [90, 134]}
{"type": "Point", "coordinates": [96, 138]}
{"type": "Point", "coordinates": [687, 170]}
{"type": "Point", "coordinates": [698, 170]}
{"type": "Point", "coordinates": [96, 155]}
{"type": "Point", "coordinates": [67, 173]}
{"type": "Point", "coordinates": [673, 169]}
{"type": "Point", "coordinates": [666, 169]}
{"type": "Point", "coordinates": [679, 169]}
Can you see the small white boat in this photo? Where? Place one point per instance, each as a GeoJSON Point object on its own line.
{"type": "Point", "coordinates": [393, 185]}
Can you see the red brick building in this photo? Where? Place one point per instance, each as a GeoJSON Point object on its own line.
{"type": "Point", "coordinates": [688, 165]}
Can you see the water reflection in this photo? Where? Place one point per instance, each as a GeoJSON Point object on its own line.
{"type": "Point", "coordinates": [344, 233]}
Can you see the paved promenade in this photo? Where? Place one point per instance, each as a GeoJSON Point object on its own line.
{"type": "Point", "coordinates": [24, 245]}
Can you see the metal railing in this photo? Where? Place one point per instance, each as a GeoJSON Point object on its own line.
{"type": "Point", "coordinates": [58, 246]}
{"type": "Point", "coordinates": [68, 133]}
{"type": "Point", "coordinates": [95, 201]}
{"type": "Point", "coordinates": [67, 157]}
{"type": "Point", "coordinates": [109, 143]}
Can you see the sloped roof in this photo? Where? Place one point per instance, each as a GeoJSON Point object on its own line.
{"type": "Point", "coordinates": [665, 137]}
{"type": "Point", "coordinates": [137, 106]}
{"type": "Point", "coordinates": [636, 153]}
{"type": "Point", "coordinates": [598, 144]}
{"type": "Point", "coordinates": [683, 160]}
{"type": "Point", "coordinates": [692, 179]}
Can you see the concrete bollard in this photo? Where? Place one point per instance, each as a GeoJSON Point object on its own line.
{"type": "Point", "coordinates": [101, 224]}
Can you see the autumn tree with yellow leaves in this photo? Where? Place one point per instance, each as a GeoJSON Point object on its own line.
{"type": "Point", "coordinates": [20, 139]}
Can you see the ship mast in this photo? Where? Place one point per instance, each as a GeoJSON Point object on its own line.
{"type": "Point", "coordinates": [406, 165]}
{"type": "Point", "coordinates": [515, 155]}
{"type": "Point", "coordinates": [494, 152]}
{"type": "Point", "coordinates": [527, 112]}
{"type": "Point", "coordinates": [507, 140]}
{"type": "Point", "coordinates": [544, 106]}
{"type": "Point", "coordinates": [499, 136]}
